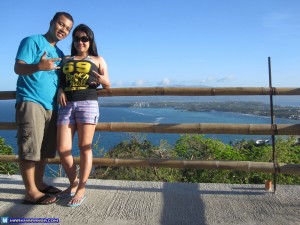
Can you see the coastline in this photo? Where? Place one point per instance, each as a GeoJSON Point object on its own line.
{"type": "Point", "coordinates": [130, 112]}
{"type": "Point", "coordinates": [241, 107]}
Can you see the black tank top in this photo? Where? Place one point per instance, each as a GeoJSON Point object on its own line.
{"type": "Point", "coordinates": [77, 77]}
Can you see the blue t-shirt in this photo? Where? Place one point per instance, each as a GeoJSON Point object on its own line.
{"type": "Point", "coordinates": [39, 87]}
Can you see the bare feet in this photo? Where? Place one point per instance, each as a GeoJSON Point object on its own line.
{"type": "Point", "coordinates": [70, 191]}
{"type": "Point", "coordinates": [77, 199]}
{"type": "Point", "coordinates": [76, 202]}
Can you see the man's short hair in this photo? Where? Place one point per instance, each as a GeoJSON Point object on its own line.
{"type": "Point", "coordinates": [58, 14]}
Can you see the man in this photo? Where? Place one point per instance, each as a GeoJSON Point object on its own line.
{"type": "Point", "coordinates": [37, 62]}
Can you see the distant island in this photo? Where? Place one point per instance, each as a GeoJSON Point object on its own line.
{"type": "Point", "coordinates": [254, 108]}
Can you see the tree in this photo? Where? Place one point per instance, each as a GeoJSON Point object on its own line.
{"type": "Point", "coordinates": [137, 148]}
{"type": "Point", "coordinates": [7, 168]}
{"type": "Point", "coordinates": [197, 147]}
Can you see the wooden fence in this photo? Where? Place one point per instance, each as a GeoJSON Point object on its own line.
{"type": "Point", "coordinates": [198, 128]}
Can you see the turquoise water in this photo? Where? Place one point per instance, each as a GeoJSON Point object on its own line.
{"type": "Point", "coordinates": [108, 140]}
{"type": "Point", "coordinates": [169, 115]}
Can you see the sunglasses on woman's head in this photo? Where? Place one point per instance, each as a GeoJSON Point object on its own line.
{"type": "Point", "coordinates": [82, 39]}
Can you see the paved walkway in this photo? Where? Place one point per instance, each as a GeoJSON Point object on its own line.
{"type": "Point", "coordinates": [111, 202]}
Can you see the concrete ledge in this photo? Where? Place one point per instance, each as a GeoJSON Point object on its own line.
{"type": "Point", "coordinates": [113, 202]}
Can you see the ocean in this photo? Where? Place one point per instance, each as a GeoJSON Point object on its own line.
{"type": "Point", "coordinates": [107, 140]}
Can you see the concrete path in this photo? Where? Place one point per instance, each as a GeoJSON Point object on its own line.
{"type": "Point", "coordinates": [111, 202]}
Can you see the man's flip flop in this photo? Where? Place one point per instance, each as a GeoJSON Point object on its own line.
{"type": "Point", "coordinates": [50, 190]}
{"type": "Point", "coordinates": [77, 204]}
{"type": "Point", "coordinates": [40, 201]}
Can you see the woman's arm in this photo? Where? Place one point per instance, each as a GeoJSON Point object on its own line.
{"type": "Point", "coordinates": [61, 96]}
{"type": "Point", "coordinates": [102, 73]}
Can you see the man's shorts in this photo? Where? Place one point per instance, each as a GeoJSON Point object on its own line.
{"type": "Point", "coordinates": [79, 112]}
{"type": "Point", "coordinates": [36, 131]}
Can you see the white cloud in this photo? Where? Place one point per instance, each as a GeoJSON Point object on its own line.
{"type": "Point", "coordinates": [118, 83]}
{"type": "Point", "coordinates": [206, 80]}
{"type": "Point", "coordinates": [226, 78]}
{"type": "Point", "coordinates": [211, 80]}
{"type": "Point", "coordinates": [139, 83]}
{"type": "Point", "coordinates": [165, 82]}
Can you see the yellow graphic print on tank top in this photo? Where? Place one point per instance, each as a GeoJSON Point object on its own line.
{"type": "Point", "coordinates": [78, 74]}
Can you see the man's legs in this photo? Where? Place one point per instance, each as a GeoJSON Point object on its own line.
{"type": "Point", "coordinates": [48, 148]}
{"type": "Point", "coordinates": [39, 174]}
{"type": "Point", "coordinates": [28, 171]}
{"type": "Point", "coordinates": [30, 121]}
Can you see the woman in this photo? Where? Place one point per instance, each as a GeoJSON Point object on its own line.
{"type": "Point", "coordinates": [81, 73]}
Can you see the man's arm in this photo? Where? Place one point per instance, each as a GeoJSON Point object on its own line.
{"type": "Point", "coordinates": [22, 68]}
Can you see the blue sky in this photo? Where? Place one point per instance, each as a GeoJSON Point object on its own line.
{"type": "Point", "coordinates": [149, 43]}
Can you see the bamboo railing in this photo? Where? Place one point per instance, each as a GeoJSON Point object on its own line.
{"type": "Point", "coordinates": [265, 167]}
{"type": "Point", "coordinates": [189, 128]}
{"type": "Point", "coordinates": [172, 91]}
{"type": "Point", "coordinates": [199, 128]}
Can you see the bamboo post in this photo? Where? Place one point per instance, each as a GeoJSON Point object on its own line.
{"type": "Point", "coordinates": [272, 122]}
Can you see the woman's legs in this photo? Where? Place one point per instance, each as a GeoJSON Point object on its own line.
{"type": "Point", "coordinates": [85, 139]}
{"type": "Point", "coordinates": [65, 134]}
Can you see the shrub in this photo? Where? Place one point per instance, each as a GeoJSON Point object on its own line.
{"type": "Point", "coordinates": [7, 167]}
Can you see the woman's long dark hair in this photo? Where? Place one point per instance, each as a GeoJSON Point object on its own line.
{"type": "Point", "coordinates": [93, 47]}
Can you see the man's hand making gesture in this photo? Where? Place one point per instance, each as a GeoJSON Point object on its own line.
{"type": "Point", "coordinates": [22, 68]}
